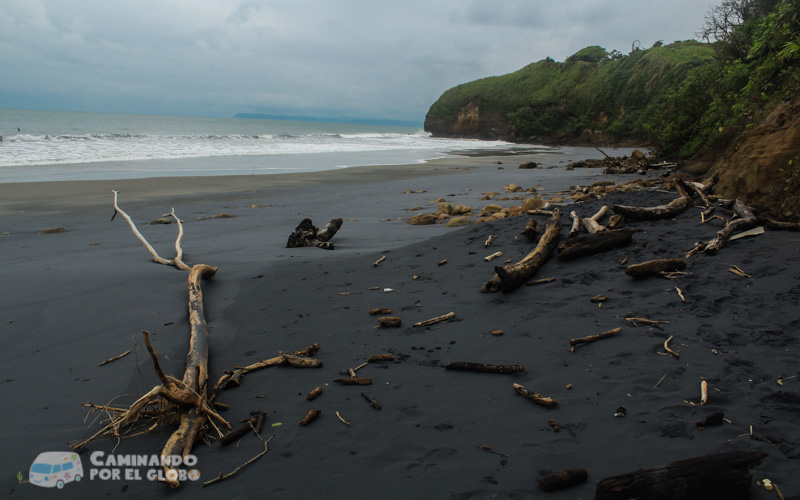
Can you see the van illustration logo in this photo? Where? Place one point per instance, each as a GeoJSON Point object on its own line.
{"type": "Point", "coordinates": [55, 468]}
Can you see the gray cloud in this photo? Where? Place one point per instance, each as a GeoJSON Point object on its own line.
{"type": "Point", "coordinates": [351, 57]}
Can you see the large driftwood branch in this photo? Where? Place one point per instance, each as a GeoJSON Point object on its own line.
{"type": "Point", "coordinates": [511, 277]}
{"type": "Point", "coordinates": [724, 475]}
{"type": "Point", "coordinates": [184, 399]}
{"type": "Point", "coordinates": [745, 221]}
{"type": "Point", "coordinates": [672, 209]}
{"type": "Point", "coordinates": [589, 244]}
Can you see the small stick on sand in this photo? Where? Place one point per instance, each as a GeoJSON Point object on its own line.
{"type": "Point", "coordinates": [666, 348]}
{"type": "Point", "coordinates": [593, 338]}
{"type": "Point", "coordinates": [680, 294]}
{"type": "Point", "coordinates": [738, 271]}
{"type": "Point", "coordinates": [703, 392]}
{"type": "Point", "coordinates": [314, 394]}
{"type": "Point", "coordinates": [378, 358]}
{"type": "Point", "coordinates": [372, 401]}
{"type": "Point", "coordinates": [483, 367]}
{"type": "Point", "coordinates": [377, 262]}
{"type": "Point", "coordinates": [495, 255]}
{"type": "Point", "coordinates": [535, 397]}
{"type": "Point", "coordinates": [442, 262]}
{"type": "Point", "coordinates": [489, 449]}
{"type": "Point", "coordinates": [646, 321]}
{"type": "Point", "coordinates": [109, 360]}
{"type": "Point", "coordinates": [661, 380]}
{"type": "Point", "coordinates": [353, 381]}
{"type": "Point", "coordinates": [488, 242]}
{"type": "Point", "coordinates": [345, 422]}
{"type": "Point", "coordinates": [437, 319]}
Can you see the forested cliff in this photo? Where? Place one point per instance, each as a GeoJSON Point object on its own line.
{"type": "Point", "coordinates": [729, 105]}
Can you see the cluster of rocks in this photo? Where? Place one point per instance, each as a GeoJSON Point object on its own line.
{"type": "Point", "coordinates": [462, 215]}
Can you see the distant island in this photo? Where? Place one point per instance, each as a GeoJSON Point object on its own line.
{"type": "Point", "coordinates": [362, 121]}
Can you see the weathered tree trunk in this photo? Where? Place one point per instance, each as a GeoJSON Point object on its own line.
{"type": "Point", "coordinates": [724, 475]}
{"type": "Point", "coordinates": [745, 221]}
{"type": "Point", "coordinates": [306, 234]}
{"type": "Point", "coordinates": [672, 209]}
{"type": "Point", "coordinates": [589, 244]}
{"type": "Point", "coordinates": [654, 267]}
{"type": "Point", "coordinates": [511, 277]}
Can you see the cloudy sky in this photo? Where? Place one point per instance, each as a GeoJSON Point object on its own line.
{"type": "Point", "coordinates": [349, 58]}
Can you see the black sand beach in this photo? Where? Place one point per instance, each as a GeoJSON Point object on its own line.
{"type": "Point", "coordinates": [71, 300]}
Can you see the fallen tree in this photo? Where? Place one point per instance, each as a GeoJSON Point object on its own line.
{"type": "Point", "coordinates": [512, 276]}
{"type": "Point", "coordinates": [185, 401]}
{"type": "Point", "coordinates": [589, 244]}
{"type": "Point", "coordinates": [723, 475]}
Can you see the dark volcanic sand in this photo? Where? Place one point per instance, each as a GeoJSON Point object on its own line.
{"type": "Point", "coordinates": [71, 300]}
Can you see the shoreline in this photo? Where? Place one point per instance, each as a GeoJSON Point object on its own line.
{"type": "Point", "coordinates": [74, 299]}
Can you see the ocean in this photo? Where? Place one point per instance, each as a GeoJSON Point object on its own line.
{"type": "Point", "coordinates": [42, 145]}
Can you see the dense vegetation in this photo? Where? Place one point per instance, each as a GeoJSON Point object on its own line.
{"type": "Point", "coordinates": [756, 65]}
{"type": "Point", "coordinates": [677, 97]}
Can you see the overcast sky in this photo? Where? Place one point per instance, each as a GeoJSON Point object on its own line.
{"type": "Point", "coordinates": [351, 58]}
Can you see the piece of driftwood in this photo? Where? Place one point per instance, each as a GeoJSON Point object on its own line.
{"type": "Point", "coordinates": [540, 281]}
{"type": "Point", "coordinates": [109, 360]}
{"type": "Point", "coordinates": [535, 397]}
{"type": "Point", "coordinates": [646, 321]}
{"type": "Point", "coordinates": [223, 476]}
{"type": "Point", "coordinates": [483, 367]}
{"type": "Point", "coordinates": [593, 338]}
{"type": "Point", "coordinates": [776, 225]}
{"type": "Point", "coordinates": [616, 221]}
{"type": "Point", "coordinates": [437, 319]}
{"type": "Point", "coordinates": [592, 224]}
{"type": "Point", "coordinates": [589, 244]}
{"type": "Point", "coordinates": [512, 276]}
{"type": "Point", "coordinates": [380, 310]}
{"type": "Point", "coordinates": [353, 381]}
{"type": "Point", "coordinates": [747, 220]}
{"type": "Point", "coordinates": [380, 358]}
{"type": "Point", "coordinates": [314, 394]}
{"type": "Point", "coordinates": [306, 234]}
{"type": "Point", "coordinates": [493, 256]}
{"type": "Point", "coordinates": [576, 224]}
{"type": "Point", "coordinates": [296, 359]}
{"type": "Point", "coordinates": [563, 479]}
{"type": "Point", "coordinates": [390, 321]}
{"type": "Point", "coordinates": [672, 209]}
{"type": "Point", "coordinates": [655, 267]}
{"type": "Point", "coordinates": [310, 417]}
{"type": "Point", "coordinates": [722, 475]}
{"type": "Point", "coordinates": [488, 242]}
{"type": "Point", "coordinates": [372, 401]}
{"type": "Point", "coordinates": [186, 400]}
{"type": "Point", "coordinates": [253, 423]}
{"type": "Point", "coordinates": [531, 230]}
{"type": "Point", "coordinates": [703, 392]}
{"type": "Point", "coordinates": [377, 262]}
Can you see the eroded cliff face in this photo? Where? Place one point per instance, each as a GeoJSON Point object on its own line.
{"type": "Point", "coordinates": [762, 167]}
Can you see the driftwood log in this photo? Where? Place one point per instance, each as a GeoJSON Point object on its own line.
{"type": "Point", "coordinates": [589, 244]}
{"type": "Point", "coordinates": [307, 234]}
{"type": "Point", "coordinates": [592, 224]}
{"type": "Point", "coordinates": [672, 209]}
{"type": "Point", "coordinates": [723, 475]}
{"type": "Point", "coordinates": [531, 230]}
{"type": "Point", "coordinates": [296, 359]}
{"type": "Point", "coordinates": [655, 267]}
{"type": "Point", "coordinates": [512, 276]}
{"type": "Point", "coordinates": [745, 221]}
{"type": "Point", "coordinates": [186, 400]}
